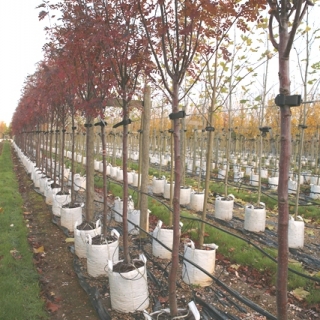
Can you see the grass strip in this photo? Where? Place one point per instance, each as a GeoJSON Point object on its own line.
{"type": "Point", "coordinates": [19, 286]}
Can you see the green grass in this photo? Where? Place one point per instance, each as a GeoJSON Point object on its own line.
{"type": "Point", "coordinates": [242, 253]}
{"type": "Point", "coordinates": [238, 251]}
{"type": "Point", "coordinates": [19, 288]}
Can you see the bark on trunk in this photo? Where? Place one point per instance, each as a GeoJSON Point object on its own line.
{"type": "Point", "coordinates": [144, 221]}
{"type": "Point", "coordinates": [89, 212]}
{"type": "Point", "coordinates": [176, 204]}
{"type": "Point", "coordinates": [284, 164]}
{"type": "Point", "coordinates": [125, 185]}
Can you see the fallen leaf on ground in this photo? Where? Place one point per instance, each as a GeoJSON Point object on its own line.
{"type": "Point", "coordinates": [38, 250]}
{"type": "Point", "coordinates": [15, 254]}
{"type": "Point", "coordinates": [235, 266]}
{"type": "Point", "coordinates": [300, 293]}
{"type": "Point", "coordinates": [52, 306]}
{"type": "Point", "coordinates": [163, 299]}
{"type": "Point", "coordinates": [270, 227]}
{"type": "Point", "coordinates": [310, 232]}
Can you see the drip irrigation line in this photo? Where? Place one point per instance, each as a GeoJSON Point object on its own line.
{"type": "Point", "coordinates": [215, 312]}
{"type": "Point", "coordinates": [92, 292]}
{"type": "Point", "coordinates": [205, 314]}
{"type": "Point", "coordinates": [153, 278]}
{"type": "Point", "coordinates": [231, 291]}
{"type": "Point", "coordinates": [315, 279]}
{"type": "Point", "coordinates": [241, 185]}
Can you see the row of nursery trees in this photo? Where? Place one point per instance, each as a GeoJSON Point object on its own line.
{"type": "Point", "coordinates": [103, 55]}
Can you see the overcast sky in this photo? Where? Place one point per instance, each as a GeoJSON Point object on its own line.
{"type": "Point", "coordinates": [22, 37]}
{"type": "Point", "coordinates": [21, 40]}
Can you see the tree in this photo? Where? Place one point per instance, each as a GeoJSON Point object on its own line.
{"type": "Point", "coordinates": [75, 39]}
{"type": "Point", "coordinates": [129, 58]}
{"type": "Point", "coordinates": [176, 31]}
{"type": "Point", "coordinates": [286, 14]}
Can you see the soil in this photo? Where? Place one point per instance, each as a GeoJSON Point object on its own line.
{"type": "Point", "coordinates": [65, 299]}
{"type": "Point", "coordinates": [60, 289]}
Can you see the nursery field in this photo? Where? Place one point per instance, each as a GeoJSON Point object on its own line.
{"type": "Point", "coordinates": [56, 291]}
{"type": "Point", "coordinates": [69, 292]}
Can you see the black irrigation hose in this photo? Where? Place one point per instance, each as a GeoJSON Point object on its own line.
{"type": "Point", "coordinates": [153, 279]}
{"type": "Point", "coordinates": [234, 293]}
{"type": "Point", "coordinates": [241, 298]}
{"type": "Point", "coordinates": [213, 311]}
{"type": "Point", "coordinates": [315, 279]}
{"type": "Point", "coordinates": [92, 292]}
{"type": "Point", "coordinates": [241, 185]}
{"type": "Point", "coordinates": [266, 239]}
{"type": "Point", "coordinates": [255, 246]}
{"type": "Point", "coordinates": [205, 314]}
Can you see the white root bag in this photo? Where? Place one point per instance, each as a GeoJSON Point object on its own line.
{"type": "Point", "coordinates": [50, 192]}
{"type": "Point", "coordinates": [43, 184]}
{"type": "Point", "coordinates": [79, 183]}
{"type": "Point", "coordinates": [197, 201]}
{"type": "Point", "coordinates": [118, 207]}
{"type": "Point", "coordinates": [185, 196]}
{"type": "Point", "coordinates": [315, 191]}
{"type": "Point", "coordinates": [166, 192]}
{"type": "Point", "coordinates": [255, 218]}
{"type": "Point", "coordinates": [221, 174]}
{"type": "Point", "coordinates": [130, 177]}
{"type": "Point", "coordinates": [136, 179]}
{"type": "Point", "coordinates": [296, 233]}
{"type": "Point", "coordinates": [37, 177]}
{"type": "Point", "coordinates": [254, 179]}
{"type": "Point", "coordinates": [59, 200]}
{"type": "Point", "coordinates": [80, 239]}
{"type": "Point", "coordinates": [129, 290]}
{"type": "Point", "coordinates": [98, 255]}
{"type": "Point", "coordinates": [113, 172]}
{"type": "Point", "coordinates": [134, 217]}
{"type": "Point", "coordinates": [158, 185]}
{"type": "Point", "coordinates": [206, 259]}
{"type": "Point", "coordinates": [96, 165]}
{"type": "Point", "coordinates": [273, 182]}
{"type": "Point", "coordinates": [292, 186]}
{"type": "Point", "coordinates": [224, 208]}
{"type": "Point", "coordinates": [119, 175]}
{"type": "Point", "coordinates": [69, 216]}
{"type": "Point", "coordinates": [166, 237]}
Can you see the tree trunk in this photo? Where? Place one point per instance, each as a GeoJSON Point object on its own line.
{"type": "Point", "coordinates": [104, 178]}
{"type": "Point", "coordinates": [125, 185]}
{"type": "Point", "coordinates": [183, 148]}
{"type": "Point", "coordinates": [55, 155]}
{"type": "Point", "coordinates": [209, 153]}
{"type": "Point", "coordinates": [89, 212]}
{"type": "Point", "coordinates": [73, 195]}
{"type": "Point", "coordinates": [144, 221]}
{"type": "Point", "coordinates": [284, 164]}
{"type": "Point", "coordinates": [176, 204]}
